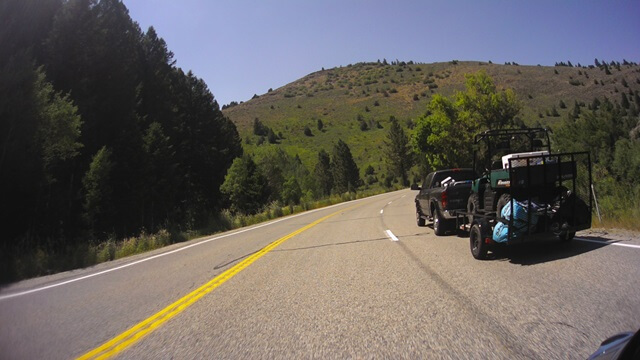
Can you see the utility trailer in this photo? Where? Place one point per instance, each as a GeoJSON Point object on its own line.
{"type": "Point", "coordinates": [526, 193]}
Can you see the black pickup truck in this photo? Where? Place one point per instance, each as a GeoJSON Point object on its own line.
{"type": "Point", "coordinates": [442, 193]}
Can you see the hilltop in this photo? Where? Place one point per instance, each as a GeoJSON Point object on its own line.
{"type": "Point", "coordinates": [345, 98]}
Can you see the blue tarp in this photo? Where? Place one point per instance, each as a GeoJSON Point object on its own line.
{"type": "Point", "coordinates": [519, 223]}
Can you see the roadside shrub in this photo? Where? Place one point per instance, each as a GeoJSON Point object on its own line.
{"type": "Point", "coordinates": [126, 247]}
{"type": "Point", "coordinates": [369, 170]}
{"type": "Point", "coordinates": [106, 251]}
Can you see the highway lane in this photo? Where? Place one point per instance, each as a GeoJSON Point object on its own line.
{"type": "Point", "coordinates": [342, 288]}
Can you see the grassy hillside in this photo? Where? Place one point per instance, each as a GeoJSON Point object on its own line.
{"type": "Point", "coordinates": [373, 91]}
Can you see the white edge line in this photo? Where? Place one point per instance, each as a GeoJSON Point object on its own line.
{"type": "Point", "coordinates": [608, 243]}
{"type": "Point", "coordinates": [391, 236]}
{"type": "Point", "coordinates": [4, 297]}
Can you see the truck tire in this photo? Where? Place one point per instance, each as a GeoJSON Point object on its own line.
{"type": "Point", "coordinates": [439, 223]}
{"type": "Point", "coordinates": [473, 205]}
{"type": "Point", "coordinates": [476, 242]}
{"type": "Point", "coordinates": [419, 219]}
{"type": "Point", "coordinates": [503, 200]}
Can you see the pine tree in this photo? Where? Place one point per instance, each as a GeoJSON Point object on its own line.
{"type": "Point", "coordinates": [271, 137]}
{"type": "Point", "coordinates": [98, 193]}
{"type": "Point", "coordinates": [625, 102]}
{"type": "Point", "coordinates": [161, 171]}
{"type": "Point", "coordinates": [576, 109]}
{"type": "Point", "coordinates": [398, 152]}
{"type": "Point", "coordinates": [346, 175]}
{"type": "Point", "coordinates": [323, 175]}
{"type": "Point", "coordinates": [291, 192]}
{"type": "Point", "coordinates": [259, 128]}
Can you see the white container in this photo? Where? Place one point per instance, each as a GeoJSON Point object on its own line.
{"type": "Point", "coordinates": [534, 158]}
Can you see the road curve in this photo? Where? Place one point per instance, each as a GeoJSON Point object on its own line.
{"type": "Point", "coordinates": [366, 283]}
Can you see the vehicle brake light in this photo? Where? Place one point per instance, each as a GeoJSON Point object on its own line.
{"type": "Point", "coordinates": [443, 199]}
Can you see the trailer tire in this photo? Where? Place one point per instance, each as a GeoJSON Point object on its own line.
{"type": "Point", "coordinates": [476, 242]}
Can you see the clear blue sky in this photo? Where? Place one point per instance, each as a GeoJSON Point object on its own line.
{"type": "Point", "coordinates": [241, 48]}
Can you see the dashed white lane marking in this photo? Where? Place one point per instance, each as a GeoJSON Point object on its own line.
{"type": "Point", "coordinates": [608, 243]}
{"type": "Point", "coordinates": [381, 211]}
{"type": "Point", "coordinates": [389, 203]}
{"type": "Point", "coordinates": [404, 195]}
{"type": "Point", "coordinates": [391, 236]}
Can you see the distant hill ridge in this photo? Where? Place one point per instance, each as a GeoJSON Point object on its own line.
{"type": "Point", "coordinates": [344, 98]}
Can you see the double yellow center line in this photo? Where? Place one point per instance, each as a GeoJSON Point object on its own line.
{"type": "Point", "coordinates": [134, 334]}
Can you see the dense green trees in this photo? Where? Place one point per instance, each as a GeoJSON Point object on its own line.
{"type": "Point", "coordinates": [611, 135]}
{"type": "Point", "coordinates": [445, 132]}
{"type": "Point", "coordinates": [245, 186]}
{"type": "Point", "coordinates": [100, 133]}
{"type": "Point", "coordinates": [279, 179]}
{"type": "Point", "coordinates": [440, 137]}
{"type": "Point", "coordinates": [39, 145]}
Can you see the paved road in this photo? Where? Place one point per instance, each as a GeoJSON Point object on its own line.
{"type": "Point", "coordinates": [340, 289]}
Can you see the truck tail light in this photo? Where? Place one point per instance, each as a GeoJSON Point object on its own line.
{"type": "Point", "coordinates": [443, 199]}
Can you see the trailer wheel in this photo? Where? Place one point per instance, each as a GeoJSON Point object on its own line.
{"type": "Point", "coordinates": [476, 242]}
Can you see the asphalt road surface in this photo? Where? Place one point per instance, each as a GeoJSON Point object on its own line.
{"type": "Point", "coordinates": [344, 287]}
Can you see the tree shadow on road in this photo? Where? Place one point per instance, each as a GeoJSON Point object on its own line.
{"type": "Point", "coordinates": [544, 251]}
